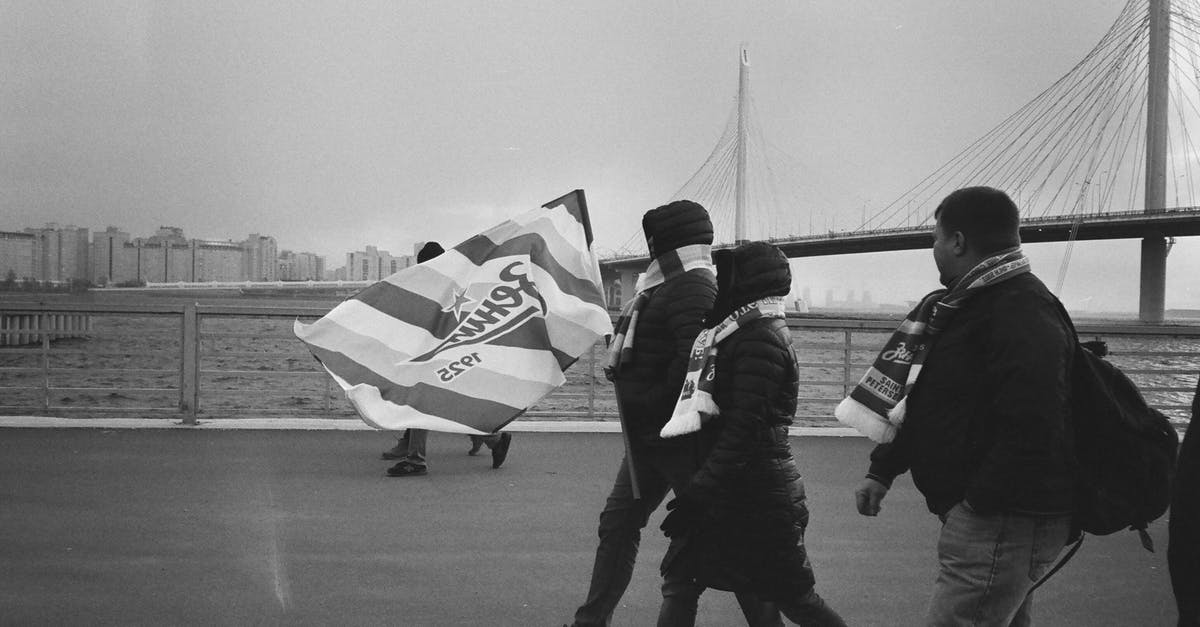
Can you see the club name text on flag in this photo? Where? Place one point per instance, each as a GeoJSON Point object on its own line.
{"type": "Point", "coordinates": [467, 341]}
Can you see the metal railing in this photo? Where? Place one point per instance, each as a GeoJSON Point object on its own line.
{"type": "Point", "coordinates": [191, 361]}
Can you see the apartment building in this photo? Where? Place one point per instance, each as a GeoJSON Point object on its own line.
{"type": "Point", "coordinates": [260, 258]}
{"type": "Point", "coordinates": [373, 264]}
{"type": "Point", "coordinates": [60, 253]}
{"type": "Point", "coordinates": [17, 252]}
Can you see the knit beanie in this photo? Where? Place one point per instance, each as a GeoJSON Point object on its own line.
{"type": "Point", "coordinates": [680, 223]}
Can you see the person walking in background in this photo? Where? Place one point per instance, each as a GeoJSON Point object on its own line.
{"type": "Point", "coordinates": [410, 447]}
{"type": "Point", "coordinates": [648, 359]}
{"type": "Point", "coordinates": [738, 524]}
{"type": "Point", "coordinates": [971, 394]}
{"type": "Point", "coordinates": [1183, 548]}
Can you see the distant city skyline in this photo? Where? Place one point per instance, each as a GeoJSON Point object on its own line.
{"type": "Point", "coordinates": [61, 252]}
{"type": "Point", "coordinates": [17, 228]}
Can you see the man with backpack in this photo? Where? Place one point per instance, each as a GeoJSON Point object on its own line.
{"type": "Point", "coordinates": [971, 395]}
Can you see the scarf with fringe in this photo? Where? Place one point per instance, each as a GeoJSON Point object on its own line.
{"type": "Point", "coordinates": [696, 405]}
{"type": "Point", "coordinates": [665, 267]}
{"type": "Point", "coordinates": [876, 406]}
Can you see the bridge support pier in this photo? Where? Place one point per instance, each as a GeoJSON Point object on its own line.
{"type": "Point", "coordinates": [1153, 287]}
{"type": "Point", "coordinates": [628, 283]}
{"type": "Point", "coordinates": [1151, 303]}
{"type": "Point", "coordinates": [618, 285]}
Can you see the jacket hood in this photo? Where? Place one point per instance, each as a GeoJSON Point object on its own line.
{"type": "Point", "coordinates": [677, 224]}
{"type": "Point", "coordinates": [747, 273]}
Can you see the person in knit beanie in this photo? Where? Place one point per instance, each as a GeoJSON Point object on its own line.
{"type": "Point", "coordinates": [648, 360]}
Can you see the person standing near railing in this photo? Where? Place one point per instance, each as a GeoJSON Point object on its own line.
{"type": "Point", "coordinates": [410, 447]}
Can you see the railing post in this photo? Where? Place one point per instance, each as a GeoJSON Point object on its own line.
{"type": "Point", "coordinates": [189, 375]}
{"type": "Point", "coordinates": [592, 382]}
{"type": "Point", "coordinates": [328, 395]}
{"type": "Point", "coordinates": [846, 385]}
{"type": "Point", "coordinates": [43, 324]}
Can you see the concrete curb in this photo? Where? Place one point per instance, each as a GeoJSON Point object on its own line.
{"type": "Point", "coordinates": [325, 424]}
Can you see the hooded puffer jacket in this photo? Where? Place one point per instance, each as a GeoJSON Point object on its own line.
{"type": "Point", "coordinates": [667, 324]}
{"type": "Point", "coordinates": [751, 537]}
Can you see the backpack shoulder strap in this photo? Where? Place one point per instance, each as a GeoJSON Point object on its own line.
{"type": "Point", "coordinates": [1062, 561]}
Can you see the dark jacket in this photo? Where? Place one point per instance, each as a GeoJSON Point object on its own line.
{"type": "Point", "coordinates": [988, 417]}
{"type": "Point", "coordinates": [1183, 550]}
{"type": "Point", "coordinates": [667, 325]}
{"type": "Point", "coordinates": [751, 534]}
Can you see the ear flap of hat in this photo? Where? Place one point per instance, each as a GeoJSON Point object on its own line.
{"type": "Point", "coordinates": [723, 259]}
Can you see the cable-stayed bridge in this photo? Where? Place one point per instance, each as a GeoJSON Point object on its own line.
{"type": "Point", "coordinates": [1105, 152]}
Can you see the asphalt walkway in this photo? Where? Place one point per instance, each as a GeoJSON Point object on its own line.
{"type": "Point", "coordinates": [207, 526]}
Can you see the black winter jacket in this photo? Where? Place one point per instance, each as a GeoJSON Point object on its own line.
{"type": "Point", "coordinates": [987, 418]}
{"type": "Point", "coordinates": [667, 325]}
{"type": "Point", "coordinates": [751, 534]}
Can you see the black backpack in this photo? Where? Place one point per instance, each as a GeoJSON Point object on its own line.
{"type": "Point", "coordinates": [1124, 450]}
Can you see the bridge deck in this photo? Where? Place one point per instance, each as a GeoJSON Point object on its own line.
{"type": "Point", "coordinates": [1176, 222]}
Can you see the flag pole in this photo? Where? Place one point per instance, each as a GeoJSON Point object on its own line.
{"type": "Point", "coordinates": [633, 480]}
{"type": "Point", "coordinates": [579, 209]}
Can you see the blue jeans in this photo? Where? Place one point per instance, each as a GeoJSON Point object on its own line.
{"type": "Point", "coordinates": [988, 564]}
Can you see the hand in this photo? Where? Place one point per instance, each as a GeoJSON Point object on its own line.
{"type": "Point", "coordinates": [683, 516]}
{"type": "Point", "coordinates": [869, 496]}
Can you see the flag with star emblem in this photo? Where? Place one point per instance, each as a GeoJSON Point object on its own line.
{"type": "Point", "coordinates": [468, 340]}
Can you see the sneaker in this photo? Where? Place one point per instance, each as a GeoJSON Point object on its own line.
{"type": "Point", "coordinates": [476, 444]}
{"type": "Point", "coordinates": [400, 451]}
{"type": "Point", "coordinates": [407, 469]}
{"type": "Point", "coordinates": [500, 451]}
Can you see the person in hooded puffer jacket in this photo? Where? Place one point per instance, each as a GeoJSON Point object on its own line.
{"type": "Point", "coordinates": [648, 359]}
{"type": "Point", "coordinates": [738, 523]}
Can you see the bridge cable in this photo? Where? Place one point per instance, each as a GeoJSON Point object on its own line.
{"type": "Point", "coordinates": [1056, 131]}
{"type": "Point", "coordinates": [1066, 260]}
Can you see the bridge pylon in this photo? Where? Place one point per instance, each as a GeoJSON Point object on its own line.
{"type": "Point", "coordinates": [1153, 280]}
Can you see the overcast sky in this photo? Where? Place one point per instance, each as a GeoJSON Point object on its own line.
{"type": "Point", "coordinates": [334, 125]}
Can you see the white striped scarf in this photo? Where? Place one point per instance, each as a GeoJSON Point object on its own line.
{"type": "Point", "coordinates": [664, 268]}
{"type": "Point", "coordinates": [876, 406]}
{"type": "Point", "coordinates": [696, 405]}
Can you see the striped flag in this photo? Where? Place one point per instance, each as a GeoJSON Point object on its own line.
{"type": "Point", "coordinates": [468, 340]}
